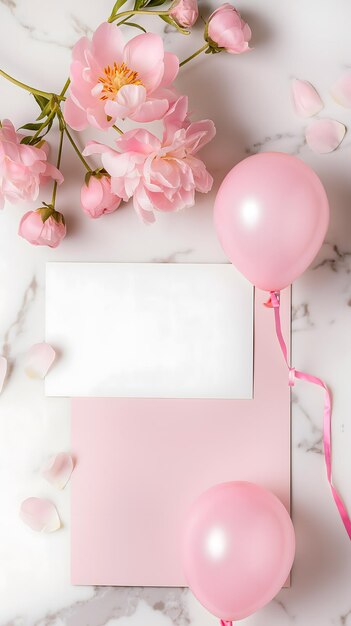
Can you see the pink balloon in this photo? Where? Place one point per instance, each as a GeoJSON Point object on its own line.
{"type": "Point", "coordinates": [238, 549]}
{"type": "Point", "coordinates": [271, 215]}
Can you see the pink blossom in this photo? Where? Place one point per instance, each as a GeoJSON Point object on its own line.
{"type": "Point", "coordinates": [111, 79]}
{"type": "Point", "coordinates": [226, 29]}
{"type": "Point", "coordinates": [184, 12]}
{"type": "Point", "coordinates": [23, 168]}
{"type": "Point", "coordinates": [40, 231]}
{"type": "Point", "coordinates": [160, 175]}
{"type": "Point", "coordinates": [97, 198]}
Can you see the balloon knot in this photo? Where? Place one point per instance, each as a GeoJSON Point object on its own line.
{"type": "Point", "coordinates": [274, 299]}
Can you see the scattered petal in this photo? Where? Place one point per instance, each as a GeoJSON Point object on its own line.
{"type": "Point", "coordinates": [324, 136]}
{"type": "Point", "coordinates": [58, 470]}
{"type": "Point", "coordinates": [3, 371]}
{"type": "Point", "coordinates": [40, 515]}
{"type": "Point", "coordinates": [307, 101]}
{"type": "Point", "coordinates": [40, 357]}
{"type": "Point", "coordinates": [341, 90]}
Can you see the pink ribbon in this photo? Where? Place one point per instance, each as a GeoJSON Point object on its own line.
{"type": "Point", "coordinates": [224, 623]}
{"type": "Point", "coordinates": [327, 417]}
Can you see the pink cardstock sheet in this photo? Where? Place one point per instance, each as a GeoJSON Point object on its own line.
{"type": "Point", "coordinates": [140, 463]}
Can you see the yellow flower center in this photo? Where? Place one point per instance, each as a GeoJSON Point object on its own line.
{"type": "Point", "coordinates": [116, 77]}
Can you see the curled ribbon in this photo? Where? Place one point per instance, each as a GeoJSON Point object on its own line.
{"type": "Point", "coordinates": [225, 623]}
{"type": "Point", "coordinates": [327, 418]}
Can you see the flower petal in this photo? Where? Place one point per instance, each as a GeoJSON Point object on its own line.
{"type": "Point", "coordinates": [151, 110]}
{"type": "Point", "coordinates": [3, 371]}
{"type": "Point", "coordinates": [95, 147]}
{"type": "Point", "coordinates": [40, 515]}
{"type": "Point", "coordinates": [307, 101]}
{"type": "Point", "coordinates": [324, 136]}
{"type": "Point", "coordinates": [108, 44]}
{"type": "Point", "coordinates": [40, 357]}
{"type": "Point", "coordinates": [144, 54]}
{"type": "Point", "coordinates": [171, 69]}
{"type": "Point", "coordinates": [341, 90]}
{"type": "Point", "coordinates": [58, 470]}
{"type": "Point", "coordinates": [129, 99]}
{"type": "Point", "coordinates": [198, 134]}
{"type": "Point", "coordinates": [75, 117]}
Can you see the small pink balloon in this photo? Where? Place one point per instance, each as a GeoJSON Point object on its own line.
{"type": "Point", "coordinates": [271, 215]}
{"type": "Point", "coordinates": [238, 549]}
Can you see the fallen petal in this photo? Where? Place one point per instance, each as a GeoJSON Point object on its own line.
{"type": "Point", "coordinates": [307, 101]}
{"type": "Point", "coordinates": [58, 470]}
{"type": "Point", "coordinates": [40, 515]}
{"type": "Point", "coordinates": [341, 90]}
{"type": "Point", "coordinates": [324, 136]}
{"type": "Point", "coordinates": [40, 357]}
{"type": "Point", "coordinates": [3, 371]}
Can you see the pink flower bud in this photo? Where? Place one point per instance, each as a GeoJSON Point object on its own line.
{"type": "Point", "coordinates": [97, 198]}
{"type": "Point", "coordinates": [227, 30]}
{"type": "Point", "coordinates": [41, 230]}
{"type": "Point", "coordinates": [184, 12]}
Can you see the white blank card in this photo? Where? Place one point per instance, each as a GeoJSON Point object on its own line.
{"type": "Point", "coordinates": [150, 330]}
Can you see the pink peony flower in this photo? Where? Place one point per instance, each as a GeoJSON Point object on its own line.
{"type": "Point", "coordinates": [111, 79]}
{"type": "Point", "coordinates": [160, 175]}
{"type": "Point", "coordinates": [42, 231]}
{"type": "Point", "coordinates": [97, 198]}
{"type": "Point", "coordinates": [184, 12]}
{"type": "Point", "coordinates": [227, 30]}
{"type": "Point", "coordinates": [22, 167]}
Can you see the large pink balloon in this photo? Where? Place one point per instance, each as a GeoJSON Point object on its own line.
{"type": "Point", "coordinates": [238, 549]}
{"type": "Point", "coordinates": [271, 215]}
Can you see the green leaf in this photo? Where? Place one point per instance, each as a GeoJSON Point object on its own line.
{"type": "Point", "coordinates": [45, 111]}
{"type": "Point", "coordinates": [168, 19]}
{"type": "Point", "coordinates": [45, 213]}
{"type": "Point", "coordinates": [29, 139]}
{"type": "Point", "coordinates": [88, 176]}
{"type": "Point", "coordinates": [35, 126]}
{"type": "Point", "coordinates": [135, 26]}
{"type": "Point", "coordinates": [155, 3]}
{"type": "Point", "coordinates": [41, 101]}
{"type": "Point", "coordinates": [139, 4]}
{"type": "Point", "coordinates": [117, 6]}
{"type": "Point", "coordinates": [26, 140]}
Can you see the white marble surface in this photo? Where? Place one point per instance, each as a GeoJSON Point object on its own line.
{"type": "Point", "coordinates": [248, 97]}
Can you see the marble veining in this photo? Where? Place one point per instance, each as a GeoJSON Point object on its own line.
{"type": "Point", "coordinates": [249, 100]}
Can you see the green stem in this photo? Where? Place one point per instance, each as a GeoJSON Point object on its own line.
{"type": "Point", "coordinates": [65, 87]}
{"type": "Point", "coordinates": [117, 16]}
{"type": "Point", "coordinates": [58, 163]}
{"type": "Point", "coordinates": [75, 147]}
{"type": "Point", "coordinates": [125, 19]}
{"type": "Point", "coordinates": [37, 92]}
{"type": "Point", "coordinates": [118, 129]}
{"type": "Point", "coordinates": [44, 124]}
{"type": "Point", "coordinates": [192, 56]}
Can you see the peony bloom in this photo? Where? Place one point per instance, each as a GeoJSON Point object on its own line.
{"type": "Point", "coordinates": [22, 167]}
{"type": "Point", "coordinates": [97, 198]}
{"type": "Point", "coordinates": [111, 79]}
{"type": "Point", "coordinates": [42, 231]}
{"type": "Point", "coordinates": [227, 30]}
{"type": "Point", "coordinates": [160, 175]}
{"type": "Point", "coordinates": [184, 12]}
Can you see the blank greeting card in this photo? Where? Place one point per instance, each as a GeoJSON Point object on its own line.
{"type": "Point", "coordinates": [216, 408]}
{"type": "Point", "coordinates": [149, 330]}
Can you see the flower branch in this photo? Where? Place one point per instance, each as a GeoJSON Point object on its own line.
{"type": "Point", "coordinates": [116, 80]}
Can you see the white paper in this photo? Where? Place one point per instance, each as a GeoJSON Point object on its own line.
{"type": "Point", "coordinates": [149, 330]}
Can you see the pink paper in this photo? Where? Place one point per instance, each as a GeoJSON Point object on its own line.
{"type": "Point", "coordinates": [140, 463]}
